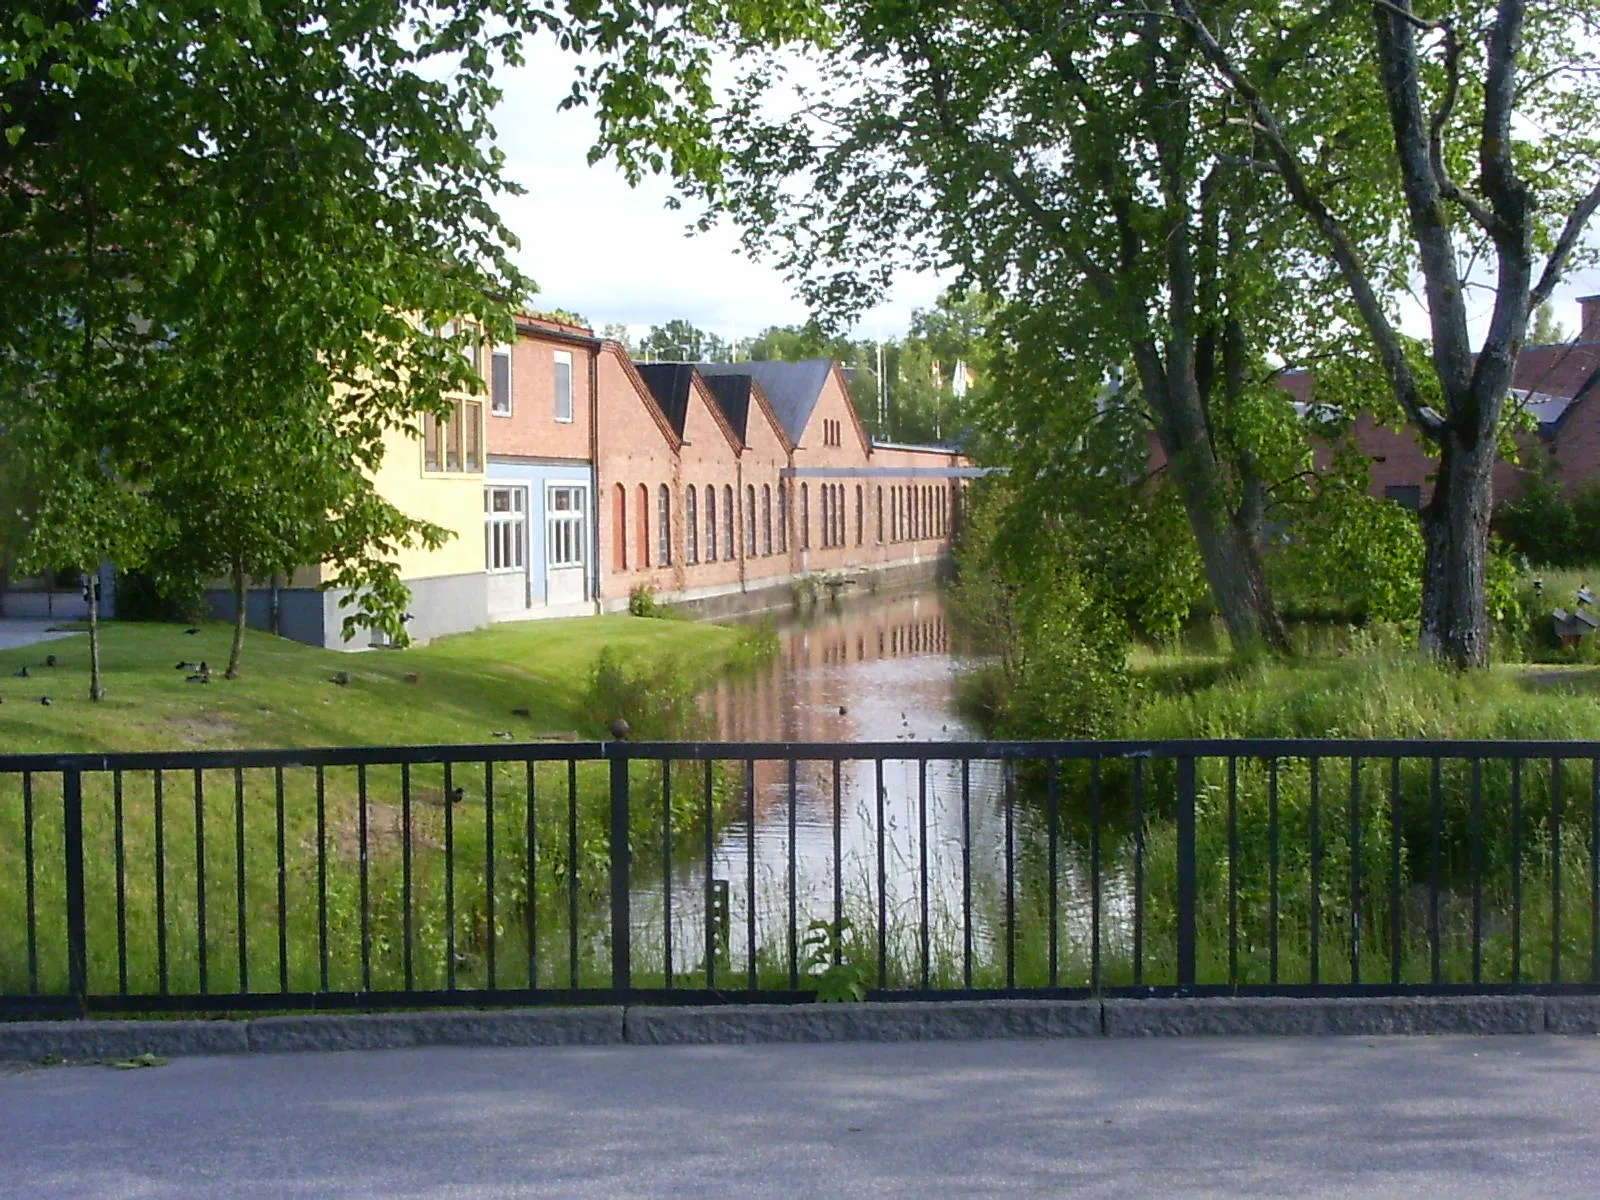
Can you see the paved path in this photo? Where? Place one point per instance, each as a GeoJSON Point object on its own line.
{"type": "Point", "coordinates": [1462, 1117]}
{"type": "Point", "coordinates": [18, 632]}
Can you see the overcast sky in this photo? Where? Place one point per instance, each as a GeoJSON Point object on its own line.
{"type": "Point", "coordinates": [616, 254]}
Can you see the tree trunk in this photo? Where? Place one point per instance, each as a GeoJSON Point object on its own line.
{"type": "Point", "coordinates": [1226, 540]}
{"type": "Point", "coordinates": [97, 689]}
{"type": "Point", "coordinates": [237, 652]}
{"type": "Point", "coordinates": [1455, 532]}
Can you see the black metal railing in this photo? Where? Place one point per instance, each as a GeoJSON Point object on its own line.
{"type": "Point", "coordinates": [697, 872]}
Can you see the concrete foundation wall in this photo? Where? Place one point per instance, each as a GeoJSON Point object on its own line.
{"type": "Point", "coordinates": [441, 605]}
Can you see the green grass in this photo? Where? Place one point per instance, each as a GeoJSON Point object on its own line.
{"type": "Point", "coordinates": [467, 686]}
{"type": "Point", "coordinates": [193, 825]}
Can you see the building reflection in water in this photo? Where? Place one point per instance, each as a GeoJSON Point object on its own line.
{"type": "Point", "coordinates": [879, 669]}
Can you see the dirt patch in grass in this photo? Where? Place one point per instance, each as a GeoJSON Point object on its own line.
{"type": "Point", "coordinates": [203, 729]}
{"type": "Point", "coordinates": [385, 828]}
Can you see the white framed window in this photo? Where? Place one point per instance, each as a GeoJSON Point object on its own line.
{"type": "Point", "coordinates": [505, 528]}
{"type": "Point", "coordinates": [500, 381]}
{"type": "Point", "coordinates": [566, 524]}
{"type": "Point", "coordinates": [563, 372]}
{"type": "Point", "coordinates": [664, 525]}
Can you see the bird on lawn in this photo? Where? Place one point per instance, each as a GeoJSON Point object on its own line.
{"type": "Point", "coordinates": [21, 672]}
{"type": "Point", "coordinates": [46, 701]}
{"type": "Point", "coordinates": [203, 675]}
{"type": "Point", "coordinates": [342, 678]}
{"type": "Point", "coordinates": [49, 660]}
{"type": "Point", "coordinates": [188, 666]}
{"type": "Point", "coordinates": [504, 735]}
{"type": "Point", "coordinates": [192, 629]}
{"type": "Point", "coordinates": [457, 795]}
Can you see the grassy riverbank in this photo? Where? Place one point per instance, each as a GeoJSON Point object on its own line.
{"type": "Point", "coordinates": [345, 877]}
{"type": "Point", "coordinates": [457, 689]}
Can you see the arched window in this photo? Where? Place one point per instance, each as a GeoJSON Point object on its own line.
{"type": "Point", "coordinates": [729, 542]}
{"type": "Point", "coordinates": [844, 526]}
{"type": "Point", "coordinates": [860, 517]}
{"type": "Point", "coordinates": [664, 526]}
{"type": "Point", "coordinates": [619, 529]}
{"type": "Point", "coordinates": [880, 516]}
{"type": "Point", "coordinates": [749, 520]}
{"type": "Point", "coordinates": [691, 526]}
{"type": "Point", "coordinates": [711, 524]}
{"type": "Point", "coordinates": [822, 506]}
{"type": "Point", "coordinates": [805, 518]}
{"type": "Point", "coordinates": [894, 514]}
{"type": "Point", "coordinates": [644, 526]}
{"type": "Point", "coordinates": [783, 517]}
{"type": "Point", "coordinates": [766, 518]}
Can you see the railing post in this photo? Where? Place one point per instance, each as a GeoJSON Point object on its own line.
{"type": "Point", "coordinates": [1186, 874]}
{"type": "Point", "coordinates": [77, 935]}
{"type": "Point", "coordinates": [621, 918]}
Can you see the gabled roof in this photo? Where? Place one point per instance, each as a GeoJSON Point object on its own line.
{"type": "Point", "coordinates": [732, 394]}
{"type": "Point", "coordinates": [646, 396]}
{"type": "Point", "coordinates": [792, 389]}
{"type": "Point", "coordinates": [669, 384]}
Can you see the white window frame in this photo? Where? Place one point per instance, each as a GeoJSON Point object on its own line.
{"type": "Point", "coordinates": [496, 353]}
{"type": "Point", "coordinates": [505, 533]}
{"type": "Point", "coordinates": [576, 517]}
{"type": "Point", "coordinates": [562, 358]}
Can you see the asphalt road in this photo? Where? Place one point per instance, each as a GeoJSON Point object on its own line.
{"type": "Point", "coordinates": [1353, 1116]}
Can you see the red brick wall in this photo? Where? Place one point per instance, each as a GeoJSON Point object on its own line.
{"type": "Point", "coordinates": [532, 430]}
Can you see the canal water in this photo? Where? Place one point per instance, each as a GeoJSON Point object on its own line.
{"type": "Point", "coordinates": [930, 837]}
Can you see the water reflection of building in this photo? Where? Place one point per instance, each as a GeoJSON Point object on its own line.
{"type": "Point", "coordinates": [812, 692]}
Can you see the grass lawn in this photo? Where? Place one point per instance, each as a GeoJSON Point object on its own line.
{"type": "Point", "coordinates": [466, 686]}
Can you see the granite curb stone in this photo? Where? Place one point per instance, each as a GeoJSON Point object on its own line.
{"type": "Point", "coordinates": [889, 1021]}
{"type": "Point", "coordinates": [1572, 1014]}
{"type": "Point", "coordinates": [1246, 1016]}
{"type": "Point", "coordinates": [30, 1041]}
{"type": "Point", "coordinates": [588, 1026]}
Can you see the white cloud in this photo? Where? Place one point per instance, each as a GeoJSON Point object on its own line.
{"type": "Point", "coordinates": [617, 254]}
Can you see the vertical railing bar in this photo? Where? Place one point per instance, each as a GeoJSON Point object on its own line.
{"type": "Point", "coordinates": [750, 873]}
{"type": "Point", "coordinates": [621, 859]}
{"type": "Point", "coordinates": [1094, 874]}
{"type": "Point", "coordinates": [364, 881]}
{"type": "Point", "coordinates": [283, 886]}
{"type": "Point", "coordinates": [161, 881]}
{"type": "Point", "coordinates": [488, 876]}
{"type": "Point", "coordinates": [1477, 870]}
{"type": "Point", "coordinates": [239, 879]}
{"type": "Point", "coordinates": [1435, 852]}
{"type": "Point", "coordinates": [1355, 870]}
{"type": "Point", "coordinates": [1316, 869]}
{"type": "Point", "coordinates": [1395, 913]}
{"type": "Point", "coordinates": [407, 962]}
{"type": "Point", "coordinates": [883, 892]}
{"type": "Point", "coordinates": [449, 877]}
{"type": "Point", "coordinates": [666, 868]}
{"type": "Point", "coordinates": [572, 873]}
{"type": "Point", "coordinates": [30, 900]}
{"type": "Point", "coordinates": [966, 873]}
{"type": "Point", "coordinates": [200, 874]}
{"type": "Point", "coordinates": [1272, 870]}
{"type": "Point", "coordinates": [794, 919]}
{"type": "Point", "coordinates": [1558, 774]}
{"type": "Point", "coordinates": [122, 883]}
{"type": "Point", "coordinates": [72, 847]}
{"type": "Point", "coordinates": [322, 878]}
{"type": "Point", "coordinates": [1594, 870]}
{"type": "Point", "coordinates": [922, 854]}
{"type": "Point", "coordinates": [1009, 779]}
{"type": "Point", "coordinates": [1052, 813]}
{"type": "Point", "coordinates": [1233, 870]}
{"type": "Point", "coordinates": [838, 864]}
{"type": "Point", "coordinates": [1516, 870]}
{"type": "Point", "coordinates": [1188, 878]}
{"type": "Point", "coordinates": [710, 886]}
{"type": "Point", "coordinates": [1138, 872]}
{"type": "Point", "coordinates": [531, 856]}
